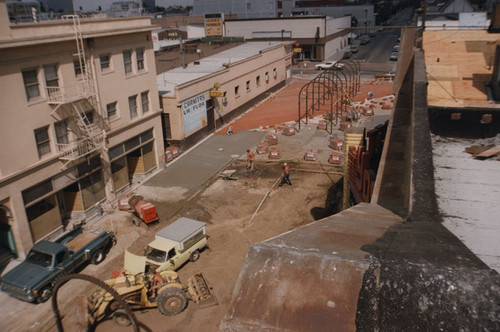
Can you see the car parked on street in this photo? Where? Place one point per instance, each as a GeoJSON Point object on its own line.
{"type": "Point", "coordinates": [354, 49]}
{"type": "Point", "coordinates": [48, 261]}
{"type": "Point", "coordinates": [347, 55]}
{"type": "Point", "coordinates": [329, 65]}
{"type": "Point", "coordinates": [364, 40]}
{"type": "Point", "coordinates": [394, 56]}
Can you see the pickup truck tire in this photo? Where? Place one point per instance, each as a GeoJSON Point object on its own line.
{"type": "Point", "coordinates": [195, 255]}
{"type": "Point", "coordinates": [45, 294]}
{"type": "Point", "coordinates": [171, 301]}
{"type": "Point", "coordinates": [98, 256]}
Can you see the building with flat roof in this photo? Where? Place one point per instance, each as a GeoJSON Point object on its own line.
{"type": "Point", "coordinates": [81, 120]}
{"type": "Point", "coordinates": [204, 95]}
{"type": "Point", "coordinates": [316, 37]}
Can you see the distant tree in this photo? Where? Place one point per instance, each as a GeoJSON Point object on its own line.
{"type": "Point", "coordinates": [159, 9]}
{"type": "Point", "coordinates": [354, 21]}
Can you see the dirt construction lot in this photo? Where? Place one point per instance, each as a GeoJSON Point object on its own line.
{"type": "Point", "coordinates": [227, 206]}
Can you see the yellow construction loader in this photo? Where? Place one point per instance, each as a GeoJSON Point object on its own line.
{"type": "Point", "coordinates": [148, 290]}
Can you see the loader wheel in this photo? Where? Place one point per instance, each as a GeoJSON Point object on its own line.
{"type": "Point", "coordinates": [195, 255]}
{"type": "Point", "coordinates": [172, 301]}
{"type": "Point", "coordinates": [120, 318]}
{"type": "Point", "coordinates": [98, 256]}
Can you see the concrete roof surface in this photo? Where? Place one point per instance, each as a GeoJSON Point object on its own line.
{"type": "Point", "coordinates": [468, 192]}
{"type": "Point", "coordinates": [458, 65]}
{"type": "Point", "coordinates": [209, 65]}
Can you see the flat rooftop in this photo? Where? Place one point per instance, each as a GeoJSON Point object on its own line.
{"type": "Point", "coordinates": [467, 194]}
{"type": "Point", "coordinates": [458, 64]}
{"type": "Point", "coordinates": [210, 65]}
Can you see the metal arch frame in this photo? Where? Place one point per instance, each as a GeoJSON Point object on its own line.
{"type": "Point", "coordinates": [352, 71]}
{"type": "Point", "coordinates": [357, 73]}
{"type": "Point", "coordinates": [334, 85]}
{"type": "Point", "coordinates": [124, 305]}
{"type": "Point", "coordinates": [318, 81]}
{"type": "Point", "coordinates": [337, 78]}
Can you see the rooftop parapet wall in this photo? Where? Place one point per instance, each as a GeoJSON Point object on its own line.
{"type": "Point", "coordinates": [308, 279]}
{"type": "Point", "coordinates": [22, 34]}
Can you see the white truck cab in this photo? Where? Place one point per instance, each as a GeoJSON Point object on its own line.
{"type": "Point", "coordinates": [172, 247]}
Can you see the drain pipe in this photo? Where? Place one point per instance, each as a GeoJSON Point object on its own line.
{"type": "Point", "coordinates": [489, 92]}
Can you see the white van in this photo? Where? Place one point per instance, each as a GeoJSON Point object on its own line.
{"type": "Point", "coordinates": [173, 246]}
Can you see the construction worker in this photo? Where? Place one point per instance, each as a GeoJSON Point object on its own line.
{"type": "Point", "coordinates": [285, 177]}
{"type": "Point", "coordinates": [250, 160]}
{"type": "Point", "coordinates": [156, 281]}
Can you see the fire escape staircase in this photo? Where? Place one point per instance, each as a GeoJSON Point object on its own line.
{"type": "Point", "coordinates": [76, 104]}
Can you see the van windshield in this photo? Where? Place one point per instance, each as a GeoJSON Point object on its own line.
{"type": "Point", "coordinates": [155, 254]}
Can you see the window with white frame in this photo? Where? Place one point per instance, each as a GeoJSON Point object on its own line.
{"type": "Point", "coordinates": [257, 80]}
{"type": "Point", "coordinates": [132, 105]}
{"type": "Point", "coordinates": [51, 79]}
{"type": "Point", "coordinates": [61, 129]}
{"type": "Point", "coordinates": [127, 61]}
{"type": "Point", "coordinates": [237, 91]}
{"type": "Point", "coordinates": [105, 61]}
{"type": "Point", "coordinates": [30, 79]}
{"type": "Point", "coordinates": [145, 101]}
{"type": "Point", "coordinates": [139, 55]}
{"type": "Point", "coordinates": [79, 68]}
{"type": "Point", "coordinates": [111, 109]}
{"type": "Point", "coordinates": [42, 141]}
{"type": "Point", "coordinates": [267, 76]}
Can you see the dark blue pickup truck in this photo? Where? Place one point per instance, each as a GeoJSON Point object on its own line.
{"type": "Point", "coordinates": [47, 262]}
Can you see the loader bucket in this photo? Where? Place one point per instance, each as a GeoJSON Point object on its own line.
{"type": "Point", "coordinates": [201, 291]}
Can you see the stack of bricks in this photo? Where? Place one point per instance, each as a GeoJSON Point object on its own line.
{"type": "Point", "coordinates": [175, 151]}
{"type": "Point", "coordinates": [271, 139]}
{"type": "Point", "coordinates": [311, 154]}
{"type": "Point", "coordinates": [274, 153]}
{"type": "Point", "coordinates": [169, 156]}
{"type": "Point", "coordinates": [262, 147]}
{"type": "Point", "coordinates": [335, 158]}
{"type": "Point", "coordinates": [336, 144]}
{"type": "Point", "coordinates": [368, 111]}
{"type": "Point", "coordinates": [288, 131]}
{"type": "Point", "coordinates": [344, 125]}
{"type": "Point", "coordinates": [322, 124]}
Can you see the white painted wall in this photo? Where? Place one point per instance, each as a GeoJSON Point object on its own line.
{"type": "Point", "coordinates": [300, 28]}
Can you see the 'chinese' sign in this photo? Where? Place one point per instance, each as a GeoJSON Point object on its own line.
{"type": "Point", "coordinates": [194, 111]}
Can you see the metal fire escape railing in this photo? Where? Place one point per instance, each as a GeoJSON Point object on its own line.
{"type": "Point", "coordinates": [75, 104]}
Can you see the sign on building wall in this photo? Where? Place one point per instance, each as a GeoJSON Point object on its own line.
{"type": "Point", "coordinates": [194, 111]}
{"type": "Point", "coordinates": [213, 24]}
